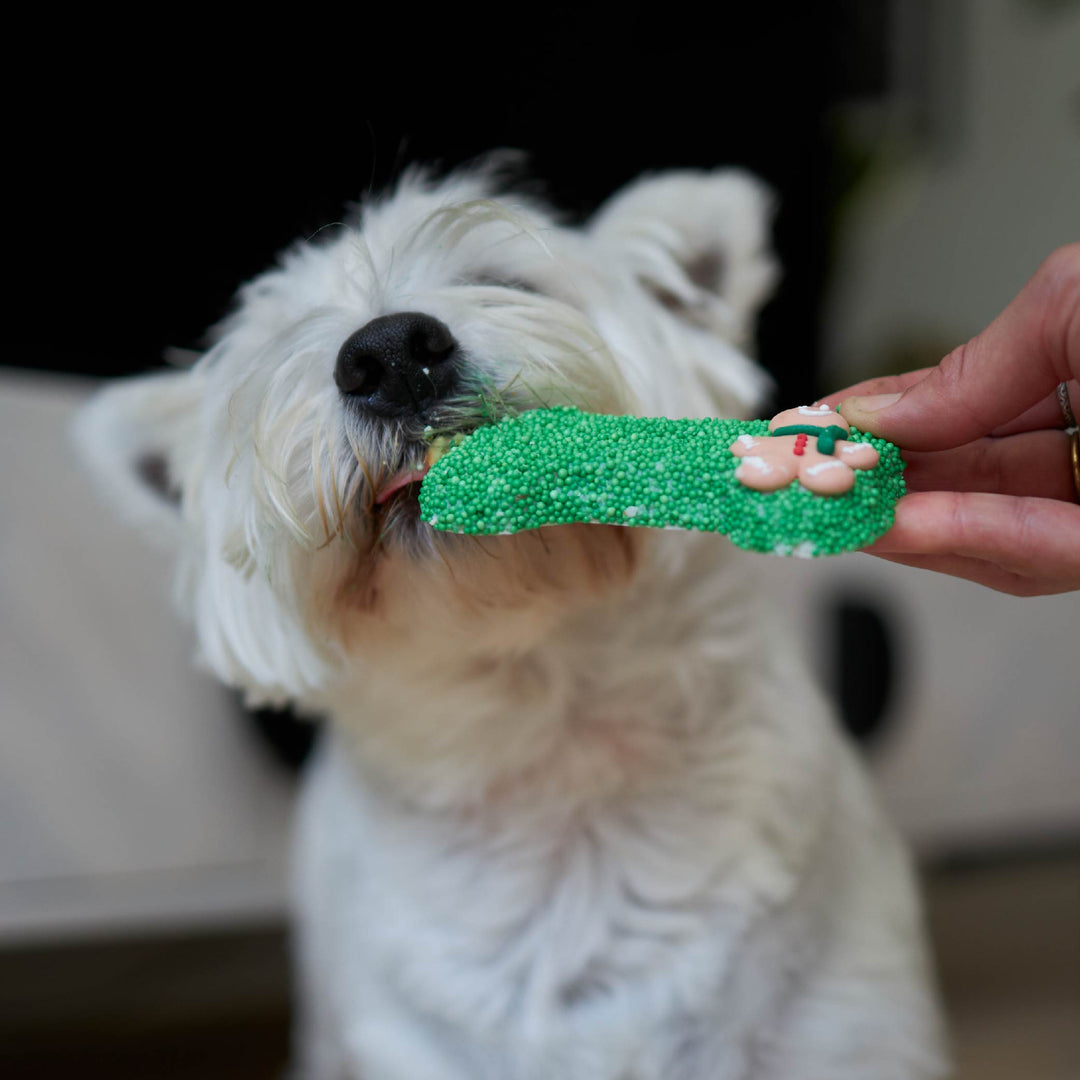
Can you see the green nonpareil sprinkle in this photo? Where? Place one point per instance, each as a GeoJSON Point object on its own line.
{"type": "Point", "coordinates": [560, 465]}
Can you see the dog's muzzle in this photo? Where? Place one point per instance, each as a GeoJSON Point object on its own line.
{"type": "Point", "coordinates": [398, 365]}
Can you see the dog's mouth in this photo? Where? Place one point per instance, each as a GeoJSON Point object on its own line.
{"type": "Point", "coordinates": [403, 484]}
{"type": "Point", "coordinates": [396, 495]}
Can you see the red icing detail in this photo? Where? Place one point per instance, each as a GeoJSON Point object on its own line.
{"type": "Point", "coordinates": [800, 445]}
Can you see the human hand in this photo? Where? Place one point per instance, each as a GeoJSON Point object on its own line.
{"type": "Point", "coordinates": [990, 474]}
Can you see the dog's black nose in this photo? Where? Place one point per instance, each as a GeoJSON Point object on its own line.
{"type": "Point", "coordinates": [397, 365]}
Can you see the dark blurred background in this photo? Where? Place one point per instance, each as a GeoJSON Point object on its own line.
{"type": "Point", "coordinates": [156, 173]}
{"type": "Point", "coordinates": [925, 156]}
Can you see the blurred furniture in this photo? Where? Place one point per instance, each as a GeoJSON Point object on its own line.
{"type": "Point", "coordinates": [979, 749]}
{"type": "Point", "coordinates": [132, 795]}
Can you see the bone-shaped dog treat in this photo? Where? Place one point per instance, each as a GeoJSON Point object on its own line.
{"type": "Point", "coordinates": [560, 466]}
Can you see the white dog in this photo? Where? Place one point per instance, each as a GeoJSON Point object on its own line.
{"type": "Point", "coordinates": [581, 815]}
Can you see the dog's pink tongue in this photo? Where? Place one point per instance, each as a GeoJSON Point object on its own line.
{"type": "Point", "coordinates": [398, 481]}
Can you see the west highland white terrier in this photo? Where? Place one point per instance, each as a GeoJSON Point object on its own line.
{"type": "Point", "coordinates": [580, 813]}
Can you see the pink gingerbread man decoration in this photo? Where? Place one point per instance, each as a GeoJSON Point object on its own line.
{"type": "Point", "coordinates": [810, 443]}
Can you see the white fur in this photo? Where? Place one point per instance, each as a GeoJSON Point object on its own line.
{"type": "Point", "coordinates": [581, 816]}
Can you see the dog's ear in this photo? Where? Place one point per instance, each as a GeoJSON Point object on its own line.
{"type": "Point", "coordinates": [133, 437]}
{"type": "Point", "coordinates": [698, 242]}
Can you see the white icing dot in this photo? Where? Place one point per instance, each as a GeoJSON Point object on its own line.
{"type": "Point", "coordinates": [811, 410]}
{"type": "Point", "coordinates": [748, 441]}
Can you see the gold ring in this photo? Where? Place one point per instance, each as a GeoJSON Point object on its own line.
{"type": "Point", "coordinates": [1075, 454]}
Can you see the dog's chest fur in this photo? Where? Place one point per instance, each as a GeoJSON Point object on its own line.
{"type": "Point", "coordinates": [627, 902]}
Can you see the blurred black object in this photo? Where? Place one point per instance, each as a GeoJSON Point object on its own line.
{"type": "Point", "coordinates": [153, 180]}
{"type": "Point", "coordinates": [863, 666]}
{"type": "Point", "coordinates": [288, 737]}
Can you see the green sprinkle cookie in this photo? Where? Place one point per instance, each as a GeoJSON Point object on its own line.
{"type": "Point", "coordinates": [800, 484]}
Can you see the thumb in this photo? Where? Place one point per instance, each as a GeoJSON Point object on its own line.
{"type": "Point", "coordinates": [1033, 345]}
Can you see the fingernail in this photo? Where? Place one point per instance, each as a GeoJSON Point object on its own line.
{"type": "Point", "coordinates": [873, 402]}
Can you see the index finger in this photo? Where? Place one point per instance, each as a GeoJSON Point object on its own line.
{"type": "Point", "coordinates": [1046, 413]}
{"type": "Point", "coordinates": [880, 384]}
